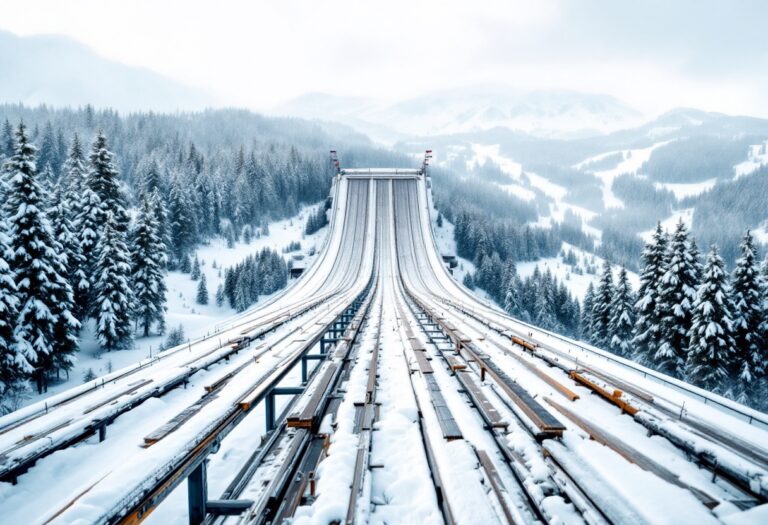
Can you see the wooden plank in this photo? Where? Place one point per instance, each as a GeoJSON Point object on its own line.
{"type": "Point", "coordinates": [424, 365]}
{"type": "Point", "coordinates": [547, 424]}
{"type": "Point", "coordinates": [496, 483]}
{"type": "Point", "coordinates": [455, 364]}
{"type": "Point", "coordinates": [445, 418]}
{"type": "Point", "coordinates": [614, 397]}
{"type": "Point", "coordinates": [491, 416]}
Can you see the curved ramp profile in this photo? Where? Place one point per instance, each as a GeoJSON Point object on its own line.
{"type": "Point", "coordinates": [403, 398]}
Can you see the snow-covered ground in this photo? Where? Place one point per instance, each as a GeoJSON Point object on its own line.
{"type": "Point", "coordinates": [483, 153]}
{"type": "Point", "coordinates": [183, 310]}
{"type": "Point", "coordinates": [757, 156]}
{"type": "Point", "coordinates": [692, 189]}
{"type": "Point", "coordinates": [633, 161]}
{"type": "Point", "coordinates": [670, 222]}
{"type": "Point", "coordinates": [518, 191]}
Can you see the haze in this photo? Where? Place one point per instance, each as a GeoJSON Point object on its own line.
{"type": "Point", "coordinates": [653, 55]}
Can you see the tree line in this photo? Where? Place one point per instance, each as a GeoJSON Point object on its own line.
{"type": "Point", "coordinates": [260, 274]}
{"type": "Point", "coordinates": [690, 320]}
{"type": "Point", "coordinates": [69, 252]}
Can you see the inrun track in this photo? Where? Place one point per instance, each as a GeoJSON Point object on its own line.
{"type": "Point", "coordinates": [376, 389]}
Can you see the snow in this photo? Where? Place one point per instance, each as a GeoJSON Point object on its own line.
{"type": "Point", "coordinates": [490, 152]}
{"type": "Point", "coordinates": [684, 190]}
{"type": "Point", "coordinates": [196, 320]}
{"type": "Point", "coordinates": [757, 157]}
{"type": "Point", "coordinates": [633, 161]}
{"type": "Point", "coordinates": [551, 189]}
{"type": "Point", "coordinates": [670, 222]}
{"type": "Point", "coordinates": [518, 191]}
{"type": "Point", "coordinates": [753, 516]}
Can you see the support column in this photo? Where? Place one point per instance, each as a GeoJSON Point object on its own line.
{"type": "Point", "coordinates": [269, 411]}
{"type": "Point", "coordinates": [197, 493]}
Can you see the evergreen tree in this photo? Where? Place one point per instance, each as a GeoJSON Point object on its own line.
{"type": "Point", "coordinates": [12, 370]}
{"type": "Point", "coordinates": [543, 310]}
{"type": "Point", "coordinates": [220, 296]}
{"type": "Point", "coordinates": [112, 289]}
{"type": "Point", "coordinates": [195, 273]}
{"type": "Point", "coordinates": [202, 290]}
{"type": "Point", "coordinates": [601, 308]}
{"type": "Point", "coordinates": [182, 225]}
{"type": "Point", "coordinates": [45, 330]}
{"type": "Point", "coordinates": [512, 303]}
{"type": "Point", "coordinates": [646, 338]}
{"type": "Point", "coordinates": [677, 293]}
{"type": "Point", "coordinates": [586, 314]}
{"type": "Point", "coordinates": [48, 156]}
{"type": "Point", "coordinates": [7, 142]}
{"type": "Point", "coordinates": [89, 225]}
{"type": "Point", "coordinates": [622, 311]}
{"type": "Point", "coordinates": [749, 314]}
{"type": "Point", "coordinates": [60, 216]}
{"type": "Point", "coordinates": [161, 218]}
{"type": "Point", "coordinates": [148, 259]}
{"type": "Point", "coordinates": [711, 343]}
{"type": "Point", "coordinates": [104, 179]}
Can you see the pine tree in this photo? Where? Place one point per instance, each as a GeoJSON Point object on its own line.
{"type": "Point", "coordinates": [182, 225]}
{"type": "Point", "coordinates": [601, 308]}
{"type": "Point", "coordinates": [47, 156]}
{"type": "Point", "coordinates": [45, 330]}
{"type": "Point", "coordinates": [220, 296]}
{"type": "Point", "coordinates": [75, 194]}
{"type": "Point", "coordinates": [543, 310]}
{"type": "Point", "coordinates": [622, 311]}
{"type": "Point", "coordinates": [60, 216]}
{"type": "Point", "coordinates": [646, 339]}
{"type": "Point", "coordinates": [202, 291]}
{"type": "Point", "coordinates": [112, 289]}
{"type": "Point", "coordinates": [161, 218]}
{"type": "Point", "coordinates": [677, 293]}
{"type": "Point", "coordinates": [586, 314]}
{"type": "Point", "coordinates": [12, 371]}
{"type": "Point", "coordinates": [749, 314]}
{"type": "Point", "coordinates": [104, 179]}
{"type": "Point", "coordinates": [148, 260]}
{"type": "Point", "coordinates": [7, 142]}
{"type": "Point", "coordinates": [512, 303]}
{"type": "Point", "coordinates": [711, 344]}
{"type": "Point", "coordinates": [195, 273]}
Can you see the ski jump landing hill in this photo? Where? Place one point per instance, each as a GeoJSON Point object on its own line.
{"type": "Point", "coordinates": [378, 389]}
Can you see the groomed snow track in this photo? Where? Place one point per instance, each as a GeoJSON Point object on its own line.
{"type": "Point", "coordinates": [376, 389]}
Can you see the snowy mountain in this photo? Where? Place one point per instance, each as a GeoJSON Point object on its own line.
{"type": "Point", "coordinates": [544, 113]}
{"type": "Point", "coordinates": [48, 69]}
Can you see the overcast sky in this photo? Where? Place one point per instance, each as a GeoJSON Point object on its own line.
{"type": "Point", "coordinates": [653, 54]}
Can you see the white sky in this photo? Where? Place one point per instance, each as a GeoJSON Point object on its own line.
{"type": "Point", "coordinates": [653, 54]}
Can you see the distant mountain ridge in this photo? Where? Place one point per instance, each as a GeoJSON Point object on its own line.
{"type": "Point", "coordinates": [59, 71]}
{"type": "Point", "coordinates": [543, 113]}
